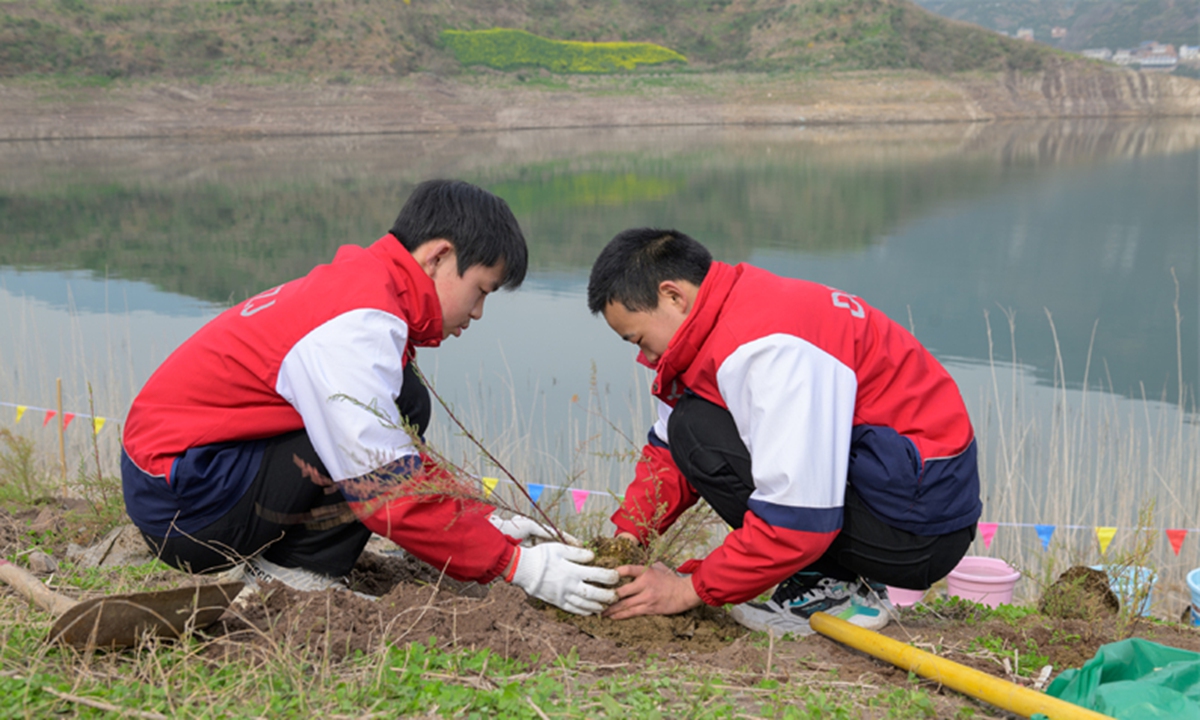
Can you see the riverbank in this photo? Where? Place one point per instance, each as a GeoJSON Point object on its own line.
{"type": "Point", "coordinates": [422, 103]}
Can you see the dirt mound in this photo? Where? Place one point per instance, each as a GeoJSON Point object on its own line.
{"type": "Point", "coordinates": [416, 603]}
{"type": "Point", "coordinates": [1080, 592]}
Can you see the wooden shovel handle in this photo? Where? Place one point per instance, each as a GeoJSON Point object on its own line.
{"type": "Point", "coordinates": [33, 589]}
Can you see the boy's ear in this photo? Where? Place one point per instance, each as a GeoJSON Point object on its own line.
{"type": "Point", "coordinates": [673, 294]}
{"type": "Point", "coordinates": [432, 253]}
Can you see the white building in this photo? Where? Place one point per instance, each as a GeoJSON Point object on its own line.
{"type": "Point", "coordinates": [1189, 52]}
{"type": "Point", "coordinates": [1098, 53]}
{"type": "Point", "coordinates": [1025, 34]}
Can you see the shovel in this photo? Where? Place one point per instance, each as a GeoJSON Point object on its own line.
{"type": "Point", "coordinates": [118, 621]}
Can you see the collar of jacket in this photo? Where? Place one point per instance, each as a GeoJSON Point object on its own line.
{"type": "Point", "coordinates": [425, 318]}
{"type": "Point", "coordinates": [690, 337]}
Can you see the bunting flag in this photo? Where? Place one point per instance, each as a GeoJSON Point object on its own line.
{"type": "Point", "coordinates": [1105, 536]}
{"type": "Point", "coordinates": [580, 497]}
{"type": "Point", "coordinates": [50, 413]}
{"type": "Point", "coordinates": [489, 484]}
{"type": "Point", "coordinates": [987, 531]}
{"type": "Point", "coordinates": [535, 491]}
{"type": "Point", "coordinates": [1176, 537]}
{"type": "Point", "coordinates": [1044, 533]}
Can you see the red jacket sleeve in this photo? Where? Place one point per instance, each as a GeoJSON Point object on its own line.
{"type": "Point", "coordinates": [656, 498]}
{"type": "Point", "coordinates": [752, 559]}
{"type": "Point", "coordinates": [448, 531]}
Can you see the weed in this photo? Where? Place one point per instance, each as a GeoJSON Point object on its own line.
{"type": "Point", "coordinates": [24, 479]}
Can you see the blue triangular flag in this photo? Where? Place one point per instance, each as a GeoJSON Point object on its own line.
{"type": "Point", "coordinates": [1044, 532]}
{"type": "Point", "coordinates": [535, 491]}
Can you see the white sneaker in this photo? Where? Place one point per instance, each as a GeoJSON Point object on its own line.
{"type": "Point", "coordinates": [873, 609]}
{"type": "Point", "coordinates": [805, 593]}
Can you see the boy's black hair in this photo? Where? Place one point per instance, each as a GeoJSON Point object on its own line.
{"type": "Point", "coordinates": [478, 224]}
{"type": "Point", "coordinates": [634, 263]}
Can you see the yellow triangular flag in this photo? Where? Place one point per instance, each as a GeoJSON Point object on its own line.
{"type": "Point", "coordinates": [489, 484]}
{"type": "Point", "coordinates": [1105, 536]}
{"type": "Point", "coordinates": [20, 411]}
{"type": "Point", "coordinates": [97, 425]}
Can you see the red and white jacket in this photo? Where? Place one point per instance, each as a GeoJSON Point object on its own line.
{"type": "Point", "coordinates": [799, 366]}
{"type": "Point", "coordinates": [325, 353]}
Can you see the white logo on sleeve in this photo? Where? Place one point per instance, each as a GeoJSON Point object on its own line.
{"type": "Point", "coordinates": [255, 304]}
{"type": "Point", "coordinates": [851, 303]}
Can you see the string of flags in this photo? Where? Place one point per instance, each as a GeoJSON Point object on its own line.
{"type": "Point", "coordinates": [49, 414]}
{"type": "Point", "coordinates": [579, 496]}
{"type": "Point", "coordinates": [987, 530]}
{"type": "Point", "coordinates": [1104, 534]}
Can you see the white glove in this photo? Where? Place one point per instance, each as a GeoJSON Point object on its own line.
{"type": "Point", "coordinates": [550, 572]}
{"type": "Point", "coordinates": [523, 528]}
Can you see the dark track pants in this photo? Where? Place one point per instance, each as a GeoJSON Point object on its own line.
{"type": "Point", "coordinates": [291, 520]}
{"type": "Point", "coordinates": [706, 447]}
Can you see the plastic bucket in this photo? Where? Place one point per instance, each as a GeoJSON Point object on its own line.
{"type": "Point", "coordinates": [984, 580]}
{"type": "Point", "coordinates": [1193, 583]}
{"type": "Point", "coordinates": [903, 597]}
{"type": "Point", "coordinates": [1127, 582]}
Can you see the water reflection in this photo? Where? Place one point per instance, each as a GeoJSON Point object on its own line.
{"type": "Point", "coordinates": [1081, 233]}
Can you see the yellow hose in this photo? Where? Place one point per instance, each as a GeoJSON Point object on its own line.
{"type": "Point", "coordinates": [1000, 693]}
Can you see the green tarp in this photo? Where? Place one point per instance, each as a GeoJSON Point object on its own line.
{"type": "Point", "coordinates": [1135, 679]}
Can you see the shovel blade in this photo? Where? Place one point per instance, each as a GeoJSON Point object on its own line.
{"type": "Point", "coordinates": [118, 621]}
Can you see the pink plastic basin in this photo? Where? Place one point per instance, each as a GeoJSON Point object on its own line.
{"type": "Point", "coordinates": [984, 580]}
{"type": "Point", "coordinates": [903, 597]}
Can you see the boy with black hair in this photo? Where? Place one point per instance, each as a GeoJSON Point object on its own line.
{"type": "Point", "coordinates": [835, 446]}
{"type": "Point", "coordinates": [316, 374]}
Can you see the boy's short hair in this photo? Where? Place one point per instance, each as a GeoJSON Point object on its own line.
{"type": "Point", "coordinates": [479, 225]}
{"type": "Point", "coordinates": [634, 263]}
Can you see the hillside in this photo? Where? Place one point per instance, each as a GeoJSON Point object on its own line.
{"type": "Point", "coordinates": [1089, 23]}
{"type": "Point", "coordinates": [337, 40]}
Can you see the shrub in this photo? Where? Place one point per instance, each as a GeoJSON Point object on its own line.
{"type": "Point", "coordinates": [505, 49]}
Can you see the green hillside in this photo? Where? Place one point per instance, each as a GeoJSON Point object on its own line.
{"type": "Point", "coordinates": [341, 39]}
{"type": "Point", "coordinates": [1089, 23]}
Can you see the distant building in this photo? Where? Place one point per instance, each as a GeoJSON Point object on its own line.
{"type": "Point", "coordinates": [1122, 57]}
{"type": "Point", "coordinates": [1025, 34]}
{"type": "Point", "coordinates": [1058, 33]}
{"type": "Point", "coordinates": [1189, 52]}
{"type": "Point", "coordinates": [1156, 56]}
{"type": "Point", "coordinates": [1098, 53]}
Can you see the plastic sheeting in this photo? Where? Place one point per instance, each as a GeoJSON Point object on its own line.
{"type": "Point", "coordinates": [1135, 679]}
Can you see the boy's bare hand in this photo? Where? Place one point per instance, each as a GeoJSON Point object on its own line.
{"type": "Point", "coordinates": [656, 590]}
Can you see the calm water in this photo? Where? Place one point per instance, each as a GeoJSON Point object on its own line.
{"type": "Point", "coordinates": [1083, 234]}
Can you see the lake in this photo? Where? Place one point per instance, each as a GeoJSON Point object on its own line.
{"type": "Point", "coordinates": [1052, 266]}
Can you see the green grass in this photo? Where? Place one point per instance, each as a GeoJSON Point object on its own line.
{"type": "Point", "coordinates": [508, 49]}
{"type": "Point", "coordinates": [320, 41]}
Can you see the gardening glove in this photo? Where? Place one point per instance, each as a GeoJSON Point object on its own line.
{"type": "Point", "coordinates": [552, 572]}
{"type": "Point", "coordinates": [523, 528]}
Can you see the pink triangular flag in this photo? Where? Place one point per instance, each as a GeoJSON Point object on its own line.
{"type": "Point", "coordinates": [1176, 537]}
{"type": "Point", "coordinates": [987, 531]}
{"type": "Point", "coordinates": [49, 416]}
{"type": "Point", "coordinates": [580, 497]}
{"type": "Point", "coordinates": [67, 418]}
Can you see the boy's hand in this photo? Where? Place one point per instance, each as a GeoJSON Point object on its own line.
{"type": "Point", "coordinates": [656, 590]}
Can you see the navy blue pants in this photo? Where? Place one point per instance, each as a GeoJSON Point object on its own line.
{"type": "Point", "coordinates": [708, 450]}
{"type": "Point", "coordinates": [289, 519]}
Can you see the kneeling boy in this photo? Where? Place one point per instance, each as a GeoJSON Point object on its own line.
{"type": "Point", "coordinates": [833, 444]}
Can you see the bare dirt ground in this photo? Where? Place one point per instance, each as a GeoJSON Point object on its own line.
{"type": "Point", "coordinates": [426, 103]}
{"type": "Point", "coordinates": [415, 603]}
